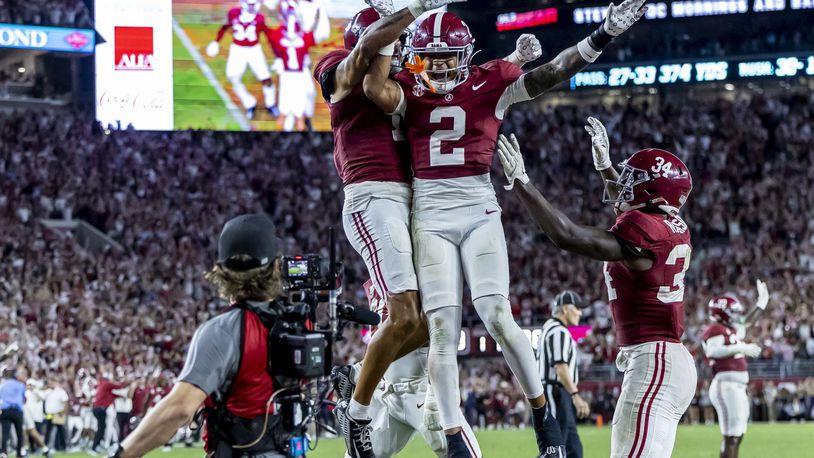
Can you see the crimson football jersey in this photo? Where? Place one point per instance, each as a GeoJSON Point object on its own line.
{"type": "Point", "coordinates": [291, 48]}
{"type": "Point", "coordinates": [367, 147]}
{"type": "Point", "coordinates": [730, 363]}
{"type": "Point", "coordinates": [245, 30]}
{"type": "Point", "coordinates": [648, 305]}
{"type": "Point", "coordinates": [454, 135]}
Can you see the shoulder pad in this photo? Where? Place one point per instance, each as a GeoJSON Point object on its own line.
{"type": "Point", "coordinates": [639, 229]}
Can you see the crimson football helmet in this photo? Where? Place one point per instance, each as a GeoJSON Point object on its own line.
{"type": "Point", "coordinates": [651, 177]}
{"type": "Point", "coordinates": [288, 13]}
{"type": "Point", "coordinates": [250, 6]}
{"type": "Point", "coordinates": [726, 310]}
{"type": "Point", "coordinates": [356, 27]}
{"type": "Point", "coordinates": [444, 33]}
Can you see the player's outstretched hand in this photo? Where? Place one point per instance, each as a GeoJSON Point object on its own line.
{"type": "Point", "coordinates": [383, 7]}
{"type": "Point", "coordinates": [213, 49]}
{"type": "Point", "coordinates": [762, 295]}
{"type": "Point", "coordinates": [599, 143]}
{"type": "Point", "coordinates": [511, 160]}
{"type": "Point", "coordinates": [622, 17]}
{"type": "Point", "coordinates": [528, 48]}
{"type": "Point", "coordinates": [751, 350]}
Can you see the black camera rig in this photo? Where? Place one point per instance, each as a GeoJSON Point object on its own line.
{"type": "Point", "coordinates": [303, 344]}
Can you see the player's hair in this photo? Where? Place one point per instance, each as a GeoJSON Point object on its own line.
{"type": "Point", "coordinates": [262, 283]}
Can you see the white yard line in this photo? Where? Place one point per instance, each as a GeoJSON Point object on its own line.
{"type": "Point", "coordinates": [236, 112]}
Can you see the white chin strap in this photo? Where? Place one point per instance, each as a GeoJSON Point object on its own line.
{"type": "Point", "coordinates": [669, 209]}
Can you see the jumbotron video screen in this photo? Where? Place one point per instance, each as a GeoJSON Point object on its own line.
{"type": "Point", "coordinates": [215, 64]}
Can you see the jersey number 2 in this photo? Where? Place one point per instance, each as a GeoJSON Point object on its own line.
{"type": "Point", "coordinates": [456, 157]}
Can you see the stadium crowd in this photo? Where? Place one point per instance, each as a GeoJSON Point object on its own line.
{"type": "Point", "coordinates": [53, 13]}
{"type": "Point", "coordinates": [79, 315]}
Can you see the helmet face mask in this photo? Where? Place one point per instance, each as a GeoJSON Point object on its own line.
{"type": "Point", "coordinates": [444, 42]}
{"type": "Point", "coordinates": [624, 186]}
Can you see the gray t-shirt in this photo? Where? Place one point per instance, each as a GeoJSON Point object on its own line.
{"type": "Point", "coordinates": [214, 353]}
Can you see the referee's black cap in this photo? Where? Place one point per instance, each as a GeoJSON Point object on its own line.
{"type": "Point", "coordinates": [252, 235]}
{"type": "Point", "coordinates": [568, 297]}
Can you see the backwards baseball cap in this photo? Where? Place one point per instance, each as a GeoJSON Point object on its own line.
{"type": "Point", "coordinates": [567, 297]}
{"type": "Point", "coordinates": [252, 235]}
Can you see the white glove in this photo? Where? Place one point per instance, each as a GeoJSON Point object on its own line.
{"type": "Point", "coordinates": [622, 17]}
{"type": "Point", "coordinates": [599, 143]}
{"type": "Point", "coordinates": [527, 49]}
{"type": "Point", "coordinates": [419, 7]}
{"type": "Point", "coordinates": [213, 49]}
{"type": "Point", "coordinates": [383, 7]}
{"type": "Point", "coordinates": [762, 295]}
{"type": "Point", "coordinates": [512, 161]}
{"type": "Point", "coordinates": [751, 350]}
{"type": "Point", "coordinates": [432, 418]}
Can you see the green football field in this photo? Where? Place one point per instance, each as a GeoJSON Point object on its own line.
{"type": "Point", "coordinates": [761, 441]}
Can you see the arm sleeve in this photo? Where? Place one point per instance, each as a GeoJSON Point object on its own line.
{"type": "Point", "coordinates": [514, 93]}
{"type": "Point", "coordinates": [715, 347]}
{"type": "Point", "coordinates": [222, 31]}
{"type": "Point", "coordinates": [401, 108]}
{"type": "Point", "coordinates": [214, 354]}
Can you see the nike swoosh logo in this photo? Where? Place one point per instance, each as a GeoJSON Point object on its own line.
{"type": "Point", "coordinates": [420, 405]}
{"type": "Point", "coordinates": [475, 87]}
{"type": "Point", "coordinates": [489, 212]}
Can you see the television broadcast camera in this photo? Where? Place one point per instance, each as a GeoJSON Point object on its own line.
{"type": "Point", "coordinates": [301, 345]}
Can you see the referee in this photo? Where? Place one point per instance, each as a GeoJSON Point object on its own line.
{"type": "Point", "coordinates": [557, 361]}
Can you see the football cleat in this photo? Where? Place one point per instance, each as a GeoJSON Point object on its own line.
{"type": "Point", "coordinates": [549, 436]}
{"type": "Point", "coordinates": [273, 111]}
{"type": "Point", "coordinates": [250, 112]}
{"type": "Point", "coordinates": [355, 432]}
{"type": "Point", "coordinates": [342, 377]}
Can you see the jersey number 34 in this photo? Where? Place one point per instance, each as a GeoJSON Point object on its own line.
{"type": "Point", "coordinates": [667, 294]}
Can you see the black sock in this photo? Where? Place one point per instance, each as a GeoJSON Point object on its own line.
{"type": "Point", "coordinates": [455, 438]}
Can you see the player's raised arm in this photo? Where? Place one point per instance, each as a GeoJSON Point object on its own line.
{"type": "Point", "coordinates": [569, 62]}
{"type": "Point", "coordinates": [588, 241]}
{"type": "Point", "coordinates": [600, 146]}
{"type": "Point", "coordinates": [760, 305]}
{"type": "Point", "coordinates": [380, 38]}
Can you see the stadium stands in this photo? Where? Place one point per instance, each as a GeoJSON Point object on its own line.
{"type": "Point", "coordinates": [163, 196]}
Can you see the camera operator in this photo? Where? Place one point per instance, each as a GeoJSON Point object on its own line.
{"type": "Point", "coordinates": [226, 368]}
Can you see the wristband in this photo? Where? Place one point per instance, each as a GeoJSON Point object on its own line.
{"type": "Point", "coordinates": [574, 393]}
{"type": "Point", "coordinates": [416, 8]}
{"type": "Point", "coordinates": [587, 51]}
{"type": "Point", "coordinates": [600, 38]}
{"type": "Point", "coordinates": [388, 50]}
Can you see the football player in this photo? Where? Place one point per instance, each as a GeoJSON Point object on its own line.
{"type": "Point", "coordinates": [400, 407]}
{"type": "Point", "coordinates": [727, 357]}
{"type": "Point", "coordinates": [246, 23]}
{"type": "Point", "coordinates": [452, 111]}
{"type": "Point", "coordinates": [646, 254]}
{"type": "Point", "coordinates": [296, 84]}
{"type": "Point", "coordinates": [371, 160]}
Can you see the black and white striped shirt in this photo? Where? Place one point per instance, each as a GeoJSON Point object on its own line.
{"type": "Point", "coordinates": [556, 346]}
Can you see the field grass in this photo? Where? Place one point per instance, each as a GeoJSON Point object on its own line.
{"type": "Point", "coordinates": [761, 441]}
